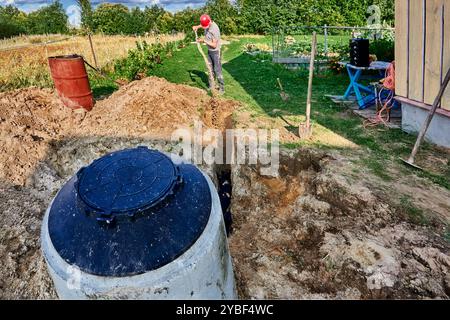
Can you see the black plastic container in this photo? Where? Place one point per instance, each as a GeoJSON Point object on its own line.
{"type": "Point", "coordinates": [359, 52]}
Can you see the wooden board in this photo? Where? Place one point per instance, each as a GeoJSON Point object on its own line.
{"type": "Point", "coordinates": [434, 48]}
{"type": "Point", "coordinates": [446, 61]}
{"type": "Point", "coordinates": [401, 47]}
{"type": "Point", "coordinates": [416, 49]}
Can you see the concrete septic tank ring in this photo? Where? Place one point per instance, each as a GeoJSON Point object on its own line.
{"type": "Point", "coordinates": [133, 218]}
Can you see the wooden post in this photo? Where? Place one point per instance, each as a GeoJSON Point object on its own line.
{"type": "Point", "coordinates": [310, 80]}
{"type": "Point", "coordinates": [92, 50]}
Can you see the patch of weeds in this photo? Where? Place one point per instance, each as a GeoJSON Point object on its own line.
{"type": "Point", "coordinates": [416, 215]}
{"type": "Point", "coordinates": [291, 145]}
{"type": "Point", "coordinates": [356, 170]}
{"type": "Point", "coordinates": [443, 181]}
{"type": "Point", "coordinates": [329, 263]}
{"type": "Point", "coordinates": [378, 168]}
{"type": "Point", "coordinates": [447, 233]}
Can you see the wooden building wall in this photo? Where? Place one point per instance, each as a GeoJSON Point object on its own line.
{"type": "Point", "coordinates": [422, 49]}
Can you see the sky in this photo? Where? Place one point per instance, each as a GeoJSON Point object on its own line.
{"type": "Point", "coordinates": [74, 13]}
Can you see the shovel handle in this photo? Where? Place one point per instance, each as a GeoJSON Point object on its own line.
{"type": "Point", "coordinates": [310, 78]}
{"type": "Point", "coordinates": [279, 83]}
{"type": "Point", "coordinates": [427, 121]}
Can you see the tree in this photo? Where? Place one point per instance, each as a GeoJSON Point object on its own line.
{"type": "Point", "coordinates": [255, 16]}
{"type": "Point", "coordinates": [110, 18]}
{"type": "Point", "coordinates": [49, 19]}
{"type": "Point", "coordinates": [387, 8]}
{"type": "Point", "coordinates": [12, 21]}
{"type": "Point", "coordinates": [136, 22]}
{"type": "Point", "coordinates": [233, 16]}
{"type": "Point", "coordinates": [222, 12]}
{"type": "Point", "coordinates": [152, 15]}
{"type": "Point", "coordinates": [165, 23]}
{"type": "Point", "coordinates": [185, 19]}
{"type": "Point", "coordinates": [86, 14]}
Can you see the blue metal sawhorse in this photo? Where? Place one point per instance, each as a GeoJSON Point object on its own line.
{"type": "Point", "coordinates": [356, 88]}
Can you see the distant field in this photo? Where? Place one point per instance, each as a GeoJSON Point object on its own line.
{"type": "Point", "coordinates": [23, 60]}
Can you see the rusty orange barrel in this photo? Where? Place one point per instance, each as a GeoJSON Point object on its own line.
{"type": "Point", "coordinates": [71, 81]}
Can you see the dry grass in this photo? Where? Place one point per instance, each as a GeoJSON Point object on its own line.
{"type": "Point", "coordinates": [23, 60]}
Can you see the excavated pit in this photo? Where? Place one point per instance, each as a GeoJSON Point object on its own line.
{"type": "Point", "coordinates": [313, 232]}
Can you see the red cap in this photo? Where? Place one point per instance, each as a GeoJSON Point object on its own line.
{"type": "Point", "coordinates": [205, 20]}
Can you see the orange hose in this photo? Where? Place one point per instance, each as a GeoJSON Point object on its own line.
{"type": "Point", "coordinates": [389, 84]}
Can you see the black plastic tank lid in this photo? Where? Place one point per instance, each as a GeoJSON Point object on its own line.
{"type": "Point", "coordinates": [126, 182]}
{"type": "Point", "coordinates": [115, 188]}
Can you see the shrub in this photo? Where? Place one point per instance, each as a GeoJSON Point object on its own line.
{"type": "Point", "coordinates": [144, 58]}
{"type": "Point", "coordinates": [384, 49]}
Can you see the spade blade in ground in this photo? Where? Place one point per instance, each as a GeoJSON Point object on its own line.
{"type": "Point", "coordinates": [304, 131]}
{"type": "Point", "coordinates": [284, 96]}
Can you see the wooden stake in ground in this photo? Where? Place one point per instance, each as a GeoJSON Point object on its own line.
{"type": "Point", "coordinates": [208, 66]}
{"type": "Point", "coordinates": [92, 50]}
{"type": "Point", "coordinates": [304, 129]}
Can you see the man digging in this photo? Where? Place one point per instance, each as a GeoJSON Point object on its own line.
{"type": "Point", "coordinates": [212, 40]}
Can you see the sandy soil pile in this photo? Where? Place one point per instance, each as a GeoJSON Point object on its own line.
{"type": "Point", "coordinates": [23, 274]}
{"type": "Point", "coordinates": [154, 105]}
{"type": "Point", "coordinates": [29, 119]}
{"type": "Point", "coordinates": [33, 119]}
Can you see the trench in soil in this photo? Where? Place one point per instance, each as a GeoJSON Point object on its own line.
{"type": "Point", "coordinates": [307, 234]}
{"type": "Point", "coordinates": [225, 190]}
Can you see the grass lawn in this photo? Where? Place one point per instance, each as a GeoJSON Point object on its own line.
{"type": "Point", "coordinates": [252, 80]}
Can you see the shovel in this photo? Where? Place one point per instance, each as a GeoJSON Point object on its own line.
{"type": "Point", "coordinates": [208, 66]}
{"type": "Point", "coordinates": [426, 124]}
{"type": "Point", "coordinates": [284, 96]}
{"type": "Point", "coordinates": [305, 129]}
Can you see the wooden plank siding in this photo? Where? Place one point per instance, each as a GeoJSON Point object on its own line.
{"type": "Point", "coordinates": [446, 59]}
{"type": "Point", "coordinates": [401, 47]}
{"type": "Point", "coordinates": [416, 50]}
{"type": "Point", "coordinates": [422, 49]}
{"type": "Point", "coordinates": [433, 49]}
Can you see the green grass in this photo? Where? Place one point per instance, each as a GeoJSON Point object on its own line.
{"type": "Point", "coordinates": [447, 233]}
{"type": "Point", "coordinates": [415, 214]}
{"type": "Point", "coordinates": [101, 87]}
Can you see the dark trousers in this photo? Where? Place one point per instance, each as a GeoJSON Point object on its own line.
{"type": "Point", "coordinates": [216, 64]}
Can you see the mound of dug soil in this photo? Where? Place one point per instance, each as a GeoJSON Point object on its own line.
{"type": "Point", "coordinates": [154, 105]}
{"type": "Point", "coordinates": [31, 119]}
